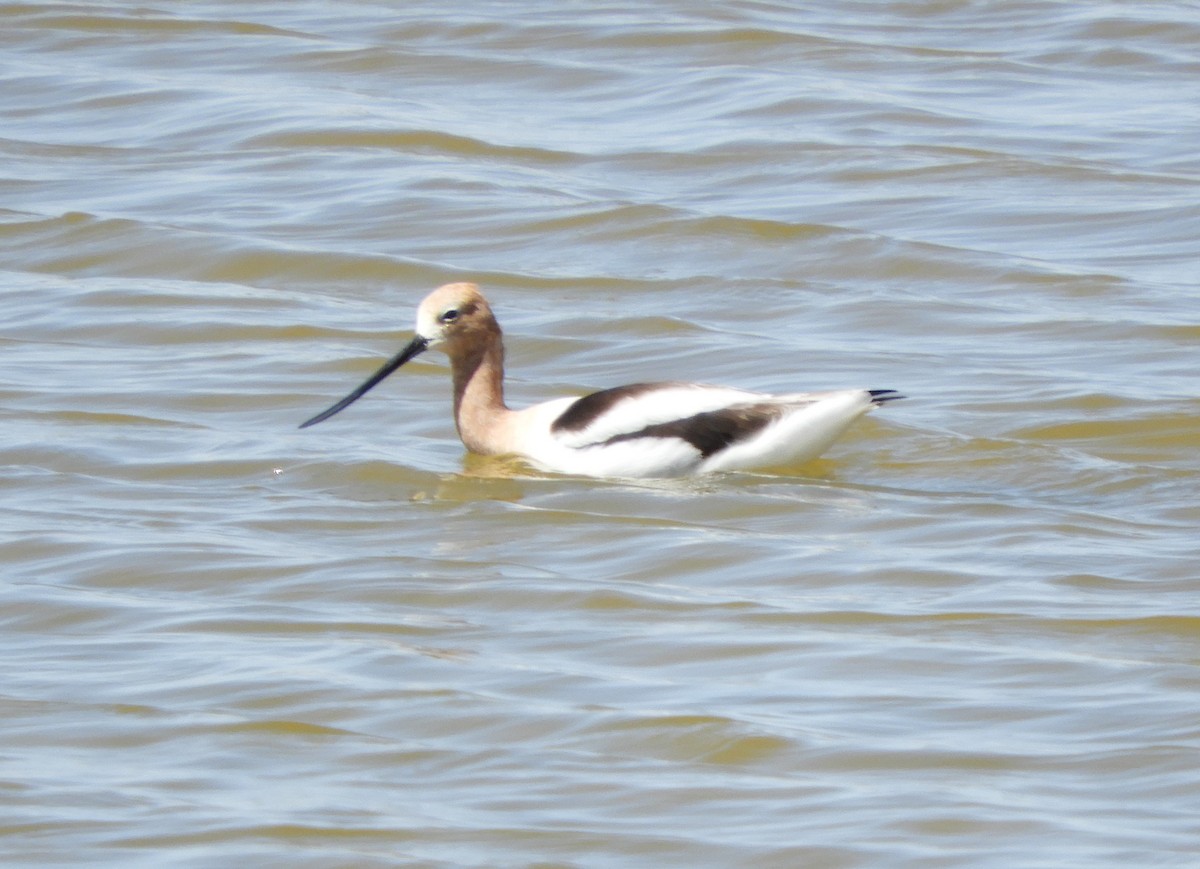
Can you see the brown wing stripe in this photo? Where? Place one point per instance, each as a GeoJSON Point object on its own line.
{"type": "Point", "coordinates": [714, 430]}
{"type": "Point", "coordinates": [590, 408]}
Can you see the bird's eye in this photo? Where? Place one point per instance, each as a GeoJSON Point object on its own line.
{"type": "Point", "coordinates": [450, 316]}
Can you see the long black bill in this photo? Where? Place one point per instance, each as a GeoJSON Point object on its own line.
{"type": "Point", "coordinates": [416, 347]}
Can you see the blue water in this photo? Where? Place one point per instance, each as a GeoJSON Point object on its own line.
{"type": "Point", "coordinates": [968, 636]}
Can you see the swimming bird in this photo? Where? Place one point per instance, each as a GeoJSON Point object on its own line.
{"type": "Point", "coordinates": [642, 430]}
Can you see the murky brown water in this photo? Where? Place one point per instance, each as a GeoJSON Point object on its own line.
{"type": "Point", "coordinates": [970, 636]}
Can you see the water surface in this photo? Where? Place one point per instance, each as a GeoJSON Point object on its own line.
{"type": "Point", "coordinates": [968, 636]}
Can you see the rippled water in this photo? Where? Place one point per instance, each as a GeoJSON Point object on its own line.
{"type": "Point", "coordinates": [969, 636]}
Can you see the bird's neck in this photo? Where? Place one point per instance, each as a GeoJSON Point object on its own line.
{"type": "Point", "coordinates": [479, 410]}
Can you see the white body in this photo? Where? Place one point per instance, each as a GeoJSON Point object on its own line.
{"type": "Point", "coordinates": [809, 425]}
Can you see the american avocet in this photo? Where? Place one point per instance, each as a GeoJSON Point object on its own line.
{"type": "Point", "coordinates": [641, 430]}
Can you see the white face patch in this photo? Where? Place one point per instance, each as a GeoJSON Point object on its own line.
{"type": "Point", "coordinates": [429, 325]}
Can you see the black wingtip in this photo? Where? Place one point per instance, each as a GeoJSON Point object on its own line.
{"type": "Point", "coordinates": [879, 396]}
